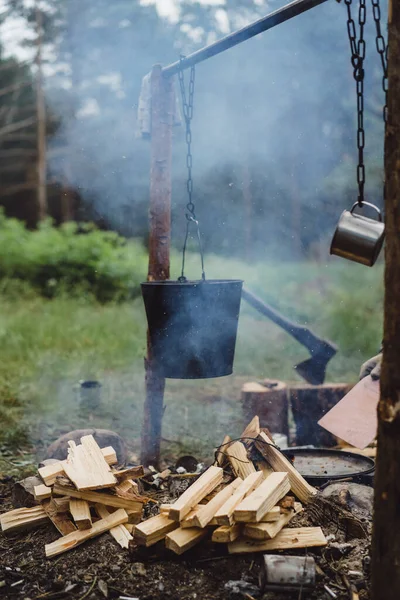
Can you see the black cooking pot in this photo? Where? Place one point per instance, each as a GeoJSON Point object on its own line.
{"type": "Point", "coordinates": [193, 326]}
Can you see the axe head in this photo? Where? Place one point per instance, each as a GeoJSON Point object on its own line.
{"type": "Point", "coordinates": [313, 369]}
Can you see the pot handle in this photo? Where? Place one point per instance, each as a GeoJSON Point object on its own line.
{"type": "Point", "coordinates": [370, 205]}
{"type": "Point", "coordinates": [189, 220]}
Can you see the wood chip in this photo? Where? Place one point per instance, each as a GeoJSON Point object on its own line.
{"type": "Point", "coordinates": [287, 539]}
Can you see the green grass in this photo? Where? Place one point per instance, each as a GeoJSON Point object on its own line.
{"type": "Point", "coordinates": [47, 346]}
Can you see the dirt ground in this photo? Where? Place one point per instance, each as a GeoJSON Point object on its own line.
{"type": "Point", "coordinates": [101, 569]}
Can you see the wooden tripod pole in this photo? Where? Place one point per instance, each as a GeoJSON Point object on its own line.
{"type": "Point", "coordinates": [41, 120]}
{"type": "Point", "coordinates": [162, 112]}
{"type": "Point", "coordinates": [386, 527]}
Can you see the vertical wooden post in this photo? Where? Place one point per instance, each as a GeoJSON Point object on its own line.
{"type": "Point", "coordinates": [386, 529]}
{"type": "Point", "coordinates": [162, 110]}
{"type": "Point", "coordinates": [41, 120]}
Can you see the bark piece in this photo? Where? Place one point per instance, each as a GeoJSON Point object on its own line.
{"type": "Point", "coordinates": [267, 531]}
{"type": "Point", "coordinates": [86, 466]}
{"type": "Point", "coordinates": [224, 515]}
{"type": "Point", "coordinates": [76, 538]}
{"type": "Point", "coordinates": [22, 518]}
{"type": "Point", "coordinates": [196, 492]}
{"type": "Point", "coordinates": [226, 533]}
{"type": "Point", "coordinates": [263, 499]}
{"type": "Point", "coordinates": [287, 539]}
{"type": "Point", "coordinates": [240, 463]}
{"type": "Point", "coordinates": [153, 530]}
{"type": "Point", "coordinates": [181, 540]}
{"type": "Point", "coordinates": [120, 533]}
{"type": "Point", "coordinates": [299, 486]}
{"type": "Point", "coordinates": [80, 512]}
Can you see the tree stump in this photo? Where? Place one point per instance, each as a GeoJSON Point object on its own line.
{"type": "Point", "coordinates": [268, 400]}
{"type": "Point", "coordinates": [309, 403]}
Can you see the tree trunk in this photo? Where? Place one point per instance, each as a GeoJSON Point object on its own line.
{"type": "Point", "coordinates": [41, 123]}
{"type": "Point", "coordinates": [162, 108]}
{"type": "Point", "coordinates": [386, 536]}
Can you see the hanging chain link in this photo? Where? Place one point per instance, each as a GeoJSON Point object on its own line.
{"type": "Point", "coordinates": [357, 49]}
{"type": "Point", "coordinates": [187, 106]}
{"type": "Point", "coordinates": [382, 49]}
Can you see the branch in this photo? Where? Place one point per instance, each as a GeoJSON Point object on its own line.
{"type": "Point", "coordinates": [17, 126]}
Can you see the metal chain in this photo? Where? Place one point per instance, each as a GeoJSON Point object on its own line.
{"type": "Point", "coordinates": [187, 106]}
{"type": "Point", "coordinates": [357, 49]}
{"type": "Point", "coordinates": [382, 49]}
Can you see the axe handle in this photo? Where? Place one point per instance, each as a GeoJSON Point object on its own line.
{"type": "Point", "coordinates": [300, 333]}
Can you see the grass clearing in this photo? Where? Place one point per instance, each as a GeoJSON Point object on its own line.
{"type": "Point", "coordinates": [47, 346]}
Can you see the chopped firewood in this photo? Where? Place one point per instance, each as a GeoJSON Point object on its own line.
{"type": "Point", "coordinates": [130, 527]}
{"type": "Point", "coordinates": [267, 531]}
{"type": "Point", "coordinates": [263, 499]}
{"type": "Point", "coordinates": [86, 466]}
{"type": "Point", "coordinates": [120, 533]}
{"type": "Point", "coordinates": [61, 520]}
{"type": "Point", "coordinates": [237, 456]}
{"type": "Point", "coordinates": [303, 490]}
{"type": "Point", "coordinates": [22, 518]}
{"type": "Point", "coordinates": [165, 508]}
{"type": "Point", "coordinates": [129, 473]}
{"type": "Point", "coordinates": [252, 431]}
{"type": "Point", "coordinates": [98, 497]}
{"type": "Point", "coordinates": [61, 503]}
{"type": "Point", "coordinates": [127, 488]}
{"type": "Point", "coordinates": [263, 466]}
{"type": "Point", "coordinates": [224, 515]}
{"type": "Point", "coordinates": [153, 530]}
{"type": "Point", "coordinates": [226, 533]}
{"type": "Point", "coordinates": [181, 540]}
{"type": "Point", "coordinates": [196, 492]}
{"type": "Point", "coordinates": [49, 473]}
{"type": "Point", "coordinates": [188, 521]}
{"type": "Point", "coordinates": [272, 515]}
{"type": "Point", "coordinates": [134, 517]}
{"type": "Point", "coordinates": [72, 540]}
{"type": "Point", "coordinates": [221, 456]}
{"type": "Point", "coordinates": [80, 512]}
{"type": "Point", "coordinates": [205, 513]}
{"type": "Point", "coordinates": [287, 539]}
{"type": "Point", "coordinates": [41, 492]}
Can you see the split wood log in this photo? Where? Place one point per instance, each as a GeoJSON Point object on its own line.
{"type": "Point", "coordinates": [86, 466]}
{"type": "Point", "coordinates": [130, 527]}
{"type": "Point", "coordinates": [129, 473]}
{"type": "Point", "coordinates": [226, 533]}
{"type": "Point", "coordinates": [41, 492]}
{"type": "Point", "coordinates": [287, 539]}
{"type": "Point", "coordinates": [127, 489]}
{"type": "Point", "coordinates": [181, 540]}
{"type": "Point", "coordinates": [73, 540]}
{"type": "Point", "coordinates": [309, 403]}
{"type": "Point", "coordinates": [263, 466]}
{"type": "Point", "coordinates": [61, 503]}
{"type": "Point", "coordinates": [263, 499]}
{"type": "Point", "coordinates": [196, 492]}
{"type": "Point", "coordinates": [60, 519]}
{"type": "Point", "coordinates": [120, 533]}
{"type": "Point", "coordinates": [188, 521]}
{"type": "Point", "coordinates": [49, 473]}
{"type": "Point", "coordinates": [299, 486]}
{"type": "Point", "coordinates": [269, 401]}
{"type": "Point", "coordinates": [80, 512]}
{"type": "Point", "coordinates": [224, 515]}
{"type": "Point", "coordinates": [22, 518]}
{"type": "Point", "coordinates": [240, 463]}
{"type": "Point", "coordinates": [153, 530]}
{"type": "Point", "coordinates": [205, 513]}
{"type": "Point", "coordinates": [221, 457]}
{"type": "Point", "coordinates": [134, 517]}
{"type": "Point", "coordinates": [98, 497]}
{"type": "Point", "coordinates": [271, 516]}
{"type": "Point", "coordinates": [251, 431]}
{"type": "Point", "coordinates": [267, 531]}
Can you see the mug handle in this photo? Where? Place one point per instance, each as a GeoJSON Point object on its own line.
{"type": "Point", "coordinates": [370, 205]}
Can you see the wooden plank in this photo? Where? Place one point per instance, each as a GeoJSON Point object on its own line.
{"type": "Point", "coordinates": [181, 540]}
{"type": "Point", "coordinates": [220, 456]}
{"type": "Point", "coordinates": [80, 512]}
{"type": "Point", "coordinates": [61, 520]}
{"type": "Point", "coordinates": [263, 499]}
{"type": "Point", "coordinates": [226, 533]}
{"type": "Point", "coordinates": [237, 456]}
{"type": "Point", "coordinates": [120, 533]}
{"type": "Point", "coordinates": [267, 531]}
{"type": "Point", "coordinates": [76, 538]}
{"type": "Point", "coordinates": [287, 539]}
{"type": "Point", "coordinates": [224, 515]}
{"type": "Point", "coordinates": [205, 513]}
{"type": "Point", "coordinates": [196, 492]}
{"type": "Point", "coordinates": [129, 473]}
{"type": "Point", "coordinates": [41, 492]}
{"type": "Point", "coordinates": [153, 530]}
{"type": "Point", "coordinates": [86, 467]}
{"type": "Point", "coordinates": [98, 497]}
{"type": "Point", "coordinates": [22, 518]}
{"type": "Point", "coordinates": [49, 473]}
{"type": "Point", "coordinates": [299, 486]}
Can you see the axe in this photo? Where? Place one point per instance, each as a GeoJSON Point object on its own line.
{"type": "Point", "coordinates": [313, 369]}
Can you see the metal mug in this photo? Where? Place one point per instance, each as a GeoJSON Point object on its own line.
{"type": "Point", "coordinates": [359, 238]}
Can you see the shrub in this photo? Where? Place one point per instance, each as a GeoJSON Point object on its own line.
{"type": "Point", "coordinates": [72, 259]}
